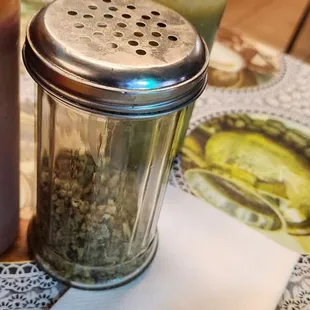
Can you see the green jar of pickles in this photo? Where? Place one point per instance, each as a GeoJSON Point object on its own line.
{"type": "Point", "coordinates": [205, 15]}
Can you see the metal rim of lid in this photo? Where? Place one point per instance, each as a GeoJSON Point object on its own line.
{"type": "Point", "coordinates": [91, 95]}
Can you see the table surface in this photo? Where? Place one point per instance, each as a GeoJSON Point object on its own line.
{"type": "Point", "coordinates": [298, 289]}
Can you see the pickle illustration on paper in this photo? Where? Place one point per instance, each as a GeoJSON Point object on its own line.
{"type": "Point", "coordinates": [237, 64]}
{"type": "Point", "coordinates": [254, 167]}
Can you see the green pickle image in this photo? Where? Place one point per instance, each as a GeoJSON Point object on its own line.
{"type": "Point", "coordinates": [255, 168]}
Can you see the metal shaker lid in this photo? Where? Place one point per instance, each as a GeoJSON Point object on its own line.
{"type": "Point", "coordinates": [117, 56]}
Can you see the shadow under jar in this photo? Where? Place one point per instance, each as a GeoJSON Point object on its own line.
{"type": "Point", "coordinates": [110, 117]}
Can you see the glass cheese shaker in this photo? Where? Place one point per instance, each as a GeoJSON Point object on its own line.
{"type": "Point", "coordinates": [9, 122]}
{"type": "Point", "coordinates": [116, 83]}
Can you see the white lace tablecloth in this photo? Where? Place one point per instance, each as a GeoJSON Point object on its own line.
{"type": "Point", "coordinates": [297, 293]}
{"type": "Point", "coordinates": [25, 286]}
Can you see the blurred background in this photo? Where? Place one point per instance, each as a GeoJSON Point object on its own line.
{"type": "Point", "coordinates": [282, 24]}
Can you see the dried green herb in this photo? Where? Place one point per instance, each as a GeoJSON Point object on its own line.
{"type": "Point", "coordinates": [86, 214]}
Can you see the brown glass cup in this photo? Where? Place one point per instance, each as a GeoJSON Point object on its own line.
{"type": "Point", "coordinates": [9, 122]}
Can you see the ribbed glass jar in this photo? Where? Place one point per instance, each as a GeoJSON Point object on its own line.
{"type": "Point", "coordinates": [101, 182]}
{"type": "Point", "coordinates": [115, 92]}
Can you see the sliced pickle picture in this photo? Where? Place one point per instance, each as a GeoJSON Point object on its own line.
{"type": "Point", "coordinates": [255, 168]}
{"type": "Point", "coordinates": [235, 199]}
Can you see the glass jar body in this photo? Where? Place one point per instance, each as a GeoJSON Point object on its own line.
{"type": "Point", "coordinates": [101, 182]}
{"type": "Point", "coordinates": [205, 15]}
{"type": "Point", "coordinates": [9, 122]}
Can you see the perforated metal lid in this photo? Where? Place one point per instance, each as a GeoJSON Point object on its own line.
{"type": "Point", "coordinates": [117, 56]}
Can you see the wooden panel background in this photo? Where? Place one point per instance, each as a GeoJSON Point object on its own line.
{"type": "Point", "coordinates": [273, 22]}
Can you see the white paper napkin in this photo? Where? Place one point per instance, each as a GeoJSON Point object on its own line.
{"type": "Point", "coordinates": [206, 260]}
